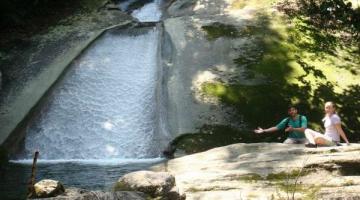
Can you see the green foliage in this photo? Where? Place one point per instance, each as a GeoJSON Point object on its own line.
{"type": "Point", "coordinates": [329, 15]}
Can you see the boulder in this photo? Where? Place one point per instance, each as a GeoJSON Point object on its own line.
{"type": "Point", "coordinates": [155, 184]}
{"type": "Point", "coordinates": [81, 194]}
{"type": "Point", "coordinates": [48, 188]}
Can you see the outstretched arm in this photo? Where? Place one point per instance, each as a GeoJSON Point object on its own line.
{"type": "Point", "coordinates": [341, 132]}
{"type": "Point", "coordinates": [271, 129]}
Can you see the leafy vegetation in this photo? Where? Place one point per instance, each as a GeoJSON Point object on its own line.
{"type": "Point", "coordinates": [329, 15]}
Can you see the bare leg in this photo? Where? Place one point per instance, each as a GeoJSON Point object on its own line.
{"type": "Point", "coordinates": [318, 138]}
{"type": "Point", "coordinates": [310, 135]}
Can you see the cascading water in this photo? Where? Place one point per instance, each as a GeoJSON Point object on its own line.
{"type": "Point", "coordinates": [105, 106]}
{"type": "Point", "coordinates": [149, 13]}
{"type": "Point", "coordinates": [102, 119]}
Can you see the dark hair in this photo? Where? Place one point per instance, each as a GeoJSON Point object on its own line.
{"type": "Point", "coordinates": [293, 106]}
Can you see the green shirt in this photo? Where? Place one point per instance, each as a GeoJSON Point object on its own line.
{"type": "Point", "coordinates": [294, 124]}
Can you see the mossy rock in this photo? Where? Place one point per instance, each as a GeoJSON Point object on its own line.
{"type": "Point", "coordinates": [282, 176]}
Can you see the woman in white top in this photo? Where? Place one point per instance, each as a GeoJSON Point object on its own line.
{"type": "Point", "coordinates": [333, 130]}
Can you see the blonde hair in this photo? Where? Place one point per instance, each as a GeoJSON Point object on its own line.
{"type": "Point", "coordinates": [332, 104]}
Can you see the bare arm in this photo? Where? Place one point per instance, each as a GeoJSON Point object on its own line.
{"type": "Point", "coordinates": [341, 132]}
{"type": "Point", "coordinates": [271, 129]}
{"type": "Point", "coordinates": [290, 128]}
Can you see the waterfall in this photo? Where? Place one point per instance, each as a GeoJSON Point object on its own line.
{"type": "Point", "coordinates": [149, 13]}
{"type": "Point", "coordinates": [105, 106]}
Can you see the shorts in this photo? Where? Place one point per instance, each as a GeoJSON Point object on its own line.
{"type": "Point", "coordinates": [320, 138]}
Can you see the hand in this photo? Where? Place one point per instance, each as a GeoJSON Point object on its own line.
{"type": "Point", "coordinates": [259, 130]}
{"type": "Point", "coordinates": [347, 144]}
{"type": "Point", "coordinates": [288, 129]}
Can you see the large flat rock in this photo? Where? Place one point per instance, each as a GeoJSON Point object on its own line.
{"type": "Point", "coordinates": [266, 170]}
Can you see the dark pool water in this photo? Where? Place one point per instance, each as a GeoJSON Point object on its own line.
{"type": "Point", "coordinates": [97, 175]}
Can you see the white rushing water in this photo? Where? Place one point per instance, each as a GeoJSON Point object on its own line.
{"type": "Point", "coordinates": [104, 117]}
{"type": "Point", "coordinates": [105, 106]}
{"type": "Point", "coordinates": [149, 12]}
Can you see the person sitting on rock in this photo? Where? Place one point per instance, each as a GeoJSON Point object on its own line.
{"type": "Point", "coordinates": [294, 125]}
{"type": "Point", "coordinates": [333, 130]}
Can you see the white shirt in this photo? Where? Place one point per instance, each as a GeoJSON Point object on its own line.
{"type": "Point", "coordinates": [330, 129]}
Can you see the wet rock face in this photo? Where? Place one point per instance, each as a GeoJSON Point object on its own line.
{"type": "Point", "coordinates": [155, 184]}
{"type": "Point", "coordinates": [48, 188]}
{"type": "Point", "coordinates": [3, 156]}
